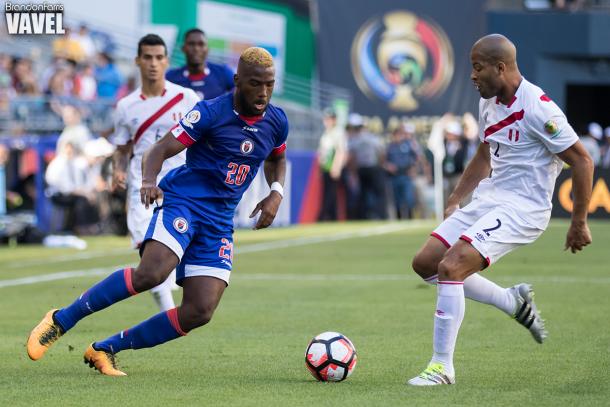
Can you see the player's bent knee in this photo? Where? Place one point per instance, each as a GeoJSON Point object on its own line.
{"type": "Point", "coordinates": [423, 265]}
{"type": "Point", "coordinates": [449, 269]}
{"type": "Point", "coordinates": [196, 315]}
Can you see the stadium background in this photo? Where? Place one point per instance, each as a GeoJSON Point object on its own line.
{"type": "Point", "coordinates": [327, 54]}
{"type": "Point", "coordinates": [293, 282]}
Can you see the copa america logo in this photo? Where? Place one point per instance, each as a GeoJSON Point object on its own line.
{"type": "Point", "coordinates": [401, 58]}
{"type": "Point", "coordinates": [33, 18]}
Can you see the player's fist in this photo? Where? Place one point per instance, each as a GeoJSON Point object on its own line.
{"type": "Point", "coordinates": [119, 180]}
{"type": "Point", "coordinates": [578, 236]}
{"type": "Point", "coordinates": [150, 193]}
{"type": "Point", "coordinates": [268, 208]}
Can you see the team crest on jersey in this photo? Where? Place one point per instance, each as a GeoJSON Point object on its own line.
{"type": "Point", "coordinates": [193, 116]}
{"type": "Point", "coordinates": [181, 225]}
{"type": "Point", "coordinates": [551, 127]}
{"type": "Point", "coordinates": [246, 146]}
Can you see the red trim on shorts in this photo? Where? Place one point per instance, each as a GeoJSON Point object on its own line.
{"type": "Point", "coordinates": [442, 239]}
{"type": "Point", "coordinates": [469, 240]}
{"type": "Point", "coordinates": [451, 282]}
{"type": "Point", "coordinates": [172, 315]}
{"type": "Point", "coordinates": [466, 238]}
{"type": "Point", "coordinates": [127, 275]}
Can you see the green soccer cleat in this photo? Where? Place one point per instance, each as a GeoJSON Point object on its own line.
{"type": "Point", "coordinates": [433, 375]}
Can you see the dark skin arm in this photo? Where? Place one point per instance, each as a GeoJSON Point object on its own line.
{"type": "Point", "coordinates": [275, 171]}
{"type": "Point", "coordinates": [152, 162]}
{"type": "Point", "coordinates": [478, 169]}
{"type": "Point", "coordinates": [581, 163]}
{"type": "Point", "coordinates": [120, 161]}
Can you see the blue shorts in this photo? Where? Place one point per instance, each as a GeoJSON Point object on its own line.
{"type": "Point", "coordinates": [203, 243]}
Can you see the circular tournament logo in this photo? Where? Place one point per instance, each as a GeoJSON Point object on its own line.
{"type": "Point", "coordinates": [181, 225]}
{"type": "Point", "coordinates": [401, 58]}
{"type": "Point", "coordinates": [246, 146]}
{"type": "Point", "coordinates": [193, 116]}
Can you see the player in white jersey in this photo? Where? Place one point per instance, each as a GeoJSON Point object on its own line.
{"type": "Point", "coordinates": [524, 139]}
{"type": "Point", "coordinates": [142, 118]}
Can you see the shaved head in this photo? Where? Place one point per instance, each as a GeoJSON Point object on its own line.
{"type": "Point", "coordinates": [496, 48]}
{"type": "Point", "coordinates": [494, 67]}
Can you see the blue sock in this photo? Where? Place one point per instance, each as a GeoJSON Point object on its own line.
{"type": "Point", "coordinates": [159, 329]}
{"type": "Point", "coordinates": [114, 288]}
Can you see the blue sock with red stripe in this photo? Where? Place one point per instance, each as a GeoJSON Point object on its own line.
{"type": "Point", "coordinates": [114, 288]}
{"type": "Point", "coordinates": [159, 329]}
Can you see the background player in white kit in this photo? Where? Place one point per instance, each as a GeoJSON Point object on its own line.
{"type": "Point", "coordinates": [524, 138]}
{"type": "Point", "coordinates": [142, 118]}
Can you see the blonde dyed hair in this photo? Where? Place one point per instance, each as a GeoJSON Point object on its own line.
{"type": "Point", "coordinates": [256, 56]}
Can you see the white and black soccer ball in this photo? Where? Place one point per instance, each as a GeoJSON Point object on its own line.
{"type": "Point", "coordinates": [331, 357]}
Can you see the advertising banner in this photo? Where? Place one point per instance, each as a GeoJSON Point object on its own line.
{"type": "Point", "coordinates": [401, 58]}
{"type": "Point", "coordinates": [599, 206]}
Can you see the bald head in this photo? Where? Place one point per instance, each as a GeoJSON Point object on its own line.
{"type": "Point", "coordinates": [494, 67]}
{"type": "Point", "coordinates": [495, 48]}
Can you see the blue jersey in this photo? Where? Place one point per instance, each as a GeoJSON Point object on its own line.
{"type": "Point", "coordinates": [225, 151]}
{"type": "Point", "coordinates": [216, 80]}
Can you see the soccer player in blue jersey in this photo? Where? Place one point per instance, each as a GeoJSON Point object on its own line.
{"type": "Point", "coordinates": [227, 140]}
{"type": "Point", "coordinates": [207, 79]}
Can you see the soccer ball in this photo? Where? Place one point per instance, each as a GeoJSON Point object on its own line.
{"type": "Point", "coordinates": [330, 357]}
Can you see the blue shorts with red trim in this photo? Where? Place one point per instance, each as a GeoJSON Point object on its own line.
{"type": "Point", "coordinates": [203, 243]}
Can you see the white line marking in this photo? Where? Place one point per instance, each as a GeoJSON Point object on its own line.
{"type": "Point", "coordinates": [260, 247]}
{"type": "Point", "coordinates": [68, 257]}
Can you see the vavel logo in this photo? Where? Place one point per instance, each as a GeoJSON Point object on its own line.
{"type": "Point", "coordinates": [31, 18]}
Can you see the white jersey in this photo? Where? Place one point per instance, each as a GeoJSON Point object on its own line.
{"type": "Point", "coordinates": [524, 138]}
{"type": "Point", "coordinates": [144, 120]}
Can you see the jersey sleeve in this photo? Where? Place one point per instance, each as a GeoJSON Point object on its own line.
{"type": "Point", "coordinates": [280, 141]}
{"type": "Point", "coordinates": [550, 125]}
{"type": "Point", "coordinates": [194, 125]}
{"type": "Point", "coordinates": [121, 134]}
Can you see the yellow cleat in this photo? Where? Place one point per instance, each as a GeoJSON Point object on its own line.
{"type": "Point", "coordinates": [43, 336]}
{"type": "Point", "coordinates": [102, 361]}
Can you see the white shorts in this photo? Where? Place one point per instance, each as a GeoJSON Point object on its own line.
{"type": "Point", "coordinates": [138, 217]}
{"type": "Point", "coordinates": [493, 229]}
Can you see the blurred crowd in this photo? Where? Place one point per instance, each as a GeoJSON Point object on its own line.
{"type": "Point", "coordinates": [372, 174]}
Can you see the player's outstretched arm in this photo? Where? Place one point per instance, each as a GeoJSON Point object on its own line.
{"type": "Point", "coordinates": [579, 159]}
{"type": "Point", "coordinates": [275, 174]}
{"type": "Point", "coordinates": [152, 162]}
{"type": "Point", "coordinates": [478, 169]}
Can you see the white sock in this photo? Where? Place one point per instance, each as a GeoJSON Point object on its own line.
{"type": "Point", "coordinates": [447, 320]}
{"type": "Point", "coordinates": [162, 295]}
{"type": "Point", "coordinates": [478, 288]}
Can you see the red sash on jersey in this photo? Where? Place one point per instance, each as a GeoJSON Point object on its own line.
{"type": "Point", "coordinates": [171, 103]}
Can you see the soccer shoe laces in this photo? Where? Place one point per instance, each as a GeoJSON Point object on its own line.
{"type": "Point", "coordinates": [435, 372]}
{"type": "Point", "coordinates": [50, 335]}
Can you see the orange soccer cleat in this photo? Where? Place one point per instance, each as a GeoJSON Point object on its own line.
{"type": "Point", "coordinates": [102, 361]}
{"type": "Point", "coordinates": [43, 336]}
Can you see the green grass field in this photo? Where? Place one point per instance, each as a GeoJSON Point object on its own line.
{"type": "Point", "coordinates": [291, 284]}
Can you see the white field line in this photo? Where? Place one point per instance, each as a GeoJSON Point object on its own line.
{"type": "Point", "coordinates": [260, 247]}
{"type": "Point", "coordinates": [378, 230]}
